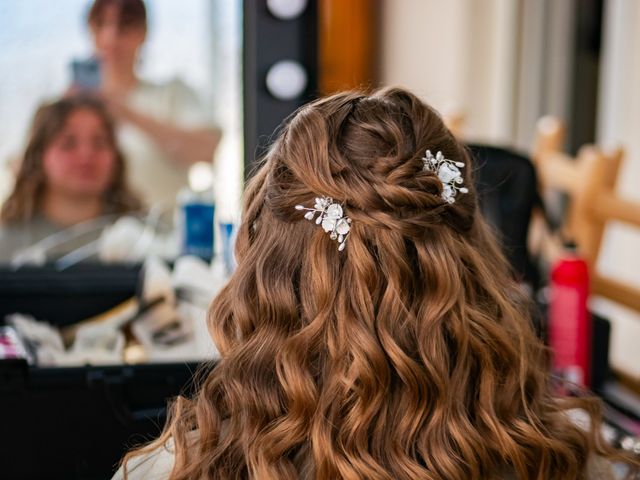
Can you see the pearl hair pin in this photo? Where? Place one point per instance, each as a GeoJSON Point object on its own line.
{"type": "Point", "coordinates": [331, 217]}
{"type": "Point", "coordinates": [448, 173]}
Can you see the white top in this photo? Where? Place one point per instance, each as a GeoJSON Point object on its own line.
{"type": "Point", "coordinates": [158, 464]}
{"type": "Point", "coordinates": [149, 170]}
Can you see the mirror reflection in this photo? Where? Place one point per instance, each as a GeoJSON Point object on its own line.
{"type": "Point", "coordinates": [115, 109]}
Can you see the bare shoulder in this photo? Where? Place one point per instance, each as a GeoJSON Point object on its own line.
{"type": "Point", "coordinates": [155, 465]}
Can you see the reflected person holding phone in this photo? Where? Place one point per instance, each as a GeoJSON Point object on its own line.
{"type": "Point", "coordinates": [163, 127]}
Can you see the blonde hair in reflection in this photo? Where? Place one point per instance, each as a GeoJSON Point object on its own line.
{"type": "Point", "coordinates": [408, 355]}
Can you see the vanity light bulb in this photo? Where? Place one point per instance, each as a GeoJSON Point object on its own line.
{"type": "Point", "coordinates": [286, 80]}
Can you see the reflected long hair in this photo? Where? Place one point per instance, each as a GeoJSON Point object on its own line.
{"type": "Point", "coordinates": [50, 119]}
{"type": "Point", "coordinates": [409, 355]}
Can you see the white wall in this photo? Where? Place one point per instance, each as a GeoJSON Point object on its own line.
{"type": "Point", "coordinates": [412, 31]}
{"type": "Point", "coordinates": [619, 124]}
{"type": "Point", "coordinates": [501, 63]}
{"type": "Point", "coordinates": [458, 56]}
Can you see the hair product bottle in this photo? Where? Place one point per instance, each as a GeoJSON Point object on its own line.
{"type": "Point", "coordinates": [570, 326]}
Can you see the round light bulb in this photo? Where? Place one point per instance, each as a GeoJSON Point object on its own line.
{"type": "Point", "coordinates": [286, 80]}
{"type": "Point", "coordinates": [286, 9]}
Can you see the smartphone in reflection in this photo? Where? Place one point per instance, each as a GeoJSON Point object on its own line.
{"type": "Point", "coordinates": [86, 73]}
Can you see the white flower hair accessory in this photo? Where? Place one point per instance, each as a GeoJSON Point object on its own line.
{"type": "Point", "coordinates": [448, 172]}
{"type": "Point", "coordinates": [331, 218]}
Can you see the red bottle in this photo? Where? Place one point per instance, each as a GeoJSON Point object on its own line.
{"type": "Point", "coordinates": [569, 320]}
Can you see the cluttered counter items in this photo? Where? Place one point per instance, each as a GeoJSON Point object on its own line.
{"type": "Point", "coordinates": [164, 322]}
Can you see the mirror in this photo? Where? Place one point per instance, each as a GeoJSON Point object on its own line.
{"type": "Point", "coordinates": [167, 73]}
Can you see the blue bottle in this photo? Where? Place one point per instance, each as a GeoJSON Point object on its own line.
{"type": "Point", "coordinates": [198, 220]}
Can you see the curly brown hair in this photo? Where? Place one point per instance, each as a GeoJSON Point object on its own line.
{"type": "Point", "coordinates": [24, 201]}
{"type": "Point", "coordinates": [409, 355]}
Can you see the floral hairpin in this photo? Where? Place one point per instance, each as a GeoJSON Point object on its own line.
{"type": "Point", "coordinates": [331, 217]}
{"type": "Point", "coordinates": [448, 172]}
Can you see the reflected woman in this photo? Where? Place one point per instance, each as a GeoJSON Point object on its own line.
{"type": "Point", "coordinates": [163, 128]}
{"type": "Point", "coordinates": [71, 172]}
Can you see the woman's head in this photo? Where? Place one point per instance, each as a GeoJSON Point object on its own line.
{"type": "Point", "coordinates": [119, 28]}
{"type": "Point", "coordinates": [72, 151]}
{"type": "Point", "coordinates": [367, 153]}
{"type": "Point", "coordinates": [407, 355]}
